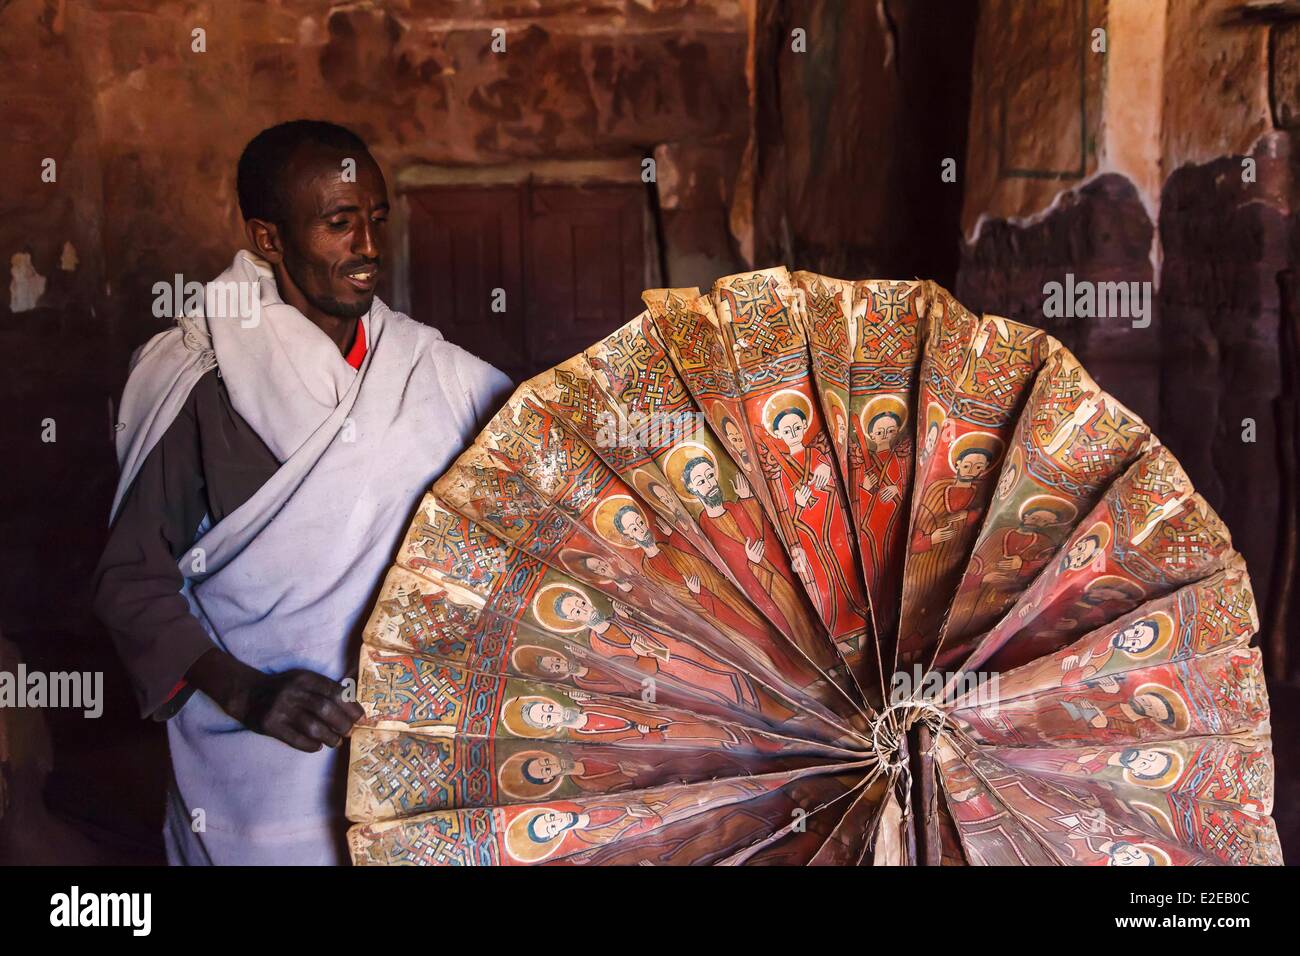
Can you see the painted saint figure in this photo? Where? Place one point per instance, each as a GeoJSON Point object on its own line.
{"type": "Point", "coordinates": [738, 532]}
{"type": "Point", "coordinates": [823, 557]}
{"type": "Point", "coordinates": [655, 652]}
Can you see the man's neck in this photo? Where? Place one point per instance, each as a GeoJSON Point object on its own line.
{"type": "Point", "coordinates": [342, 332]}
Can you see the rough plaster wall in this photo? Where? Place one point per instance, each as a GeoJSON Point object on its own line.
{"type": "Point", "coordinates": [1174, 135]}
{"type": "Point", "coordinates": [850, 135]}
{"type": "Point", "coordinates": [1100, 231]}
{"type": "Point", "coordinates": [1036, 95]}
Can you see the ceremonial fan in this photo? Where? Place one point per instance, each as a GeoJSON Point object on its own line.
{"type": "Point", "coordinates": [810, 571]}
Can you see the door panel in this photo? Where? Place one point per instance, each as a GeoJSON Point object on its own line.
{"type": "Point", "coordinates": [571, 259]}
{"type": "Point", "coordinates": [465, 243]}
{"type": "Point", "coordinates": [585, 266]}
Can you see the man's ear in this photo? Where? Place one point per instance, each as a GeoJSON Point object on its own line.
{"type": "Point", "coordinates": [264, 238]}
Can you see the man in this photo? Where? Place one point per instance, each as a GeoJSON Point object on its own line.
{"type": "Point", "coordinates": [271, 455]}
{"type": "Point", "coordinates": [810, 499]}
{"type": "Point", "coordinates": [656, 652]}
{"type": "Point", "coordinates": [692, 580]}
{"type": "Point", "coordinates": [738, 532]}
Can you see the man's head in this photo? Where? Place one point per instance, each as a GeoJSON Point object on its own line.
{"type": "Point", "coordinates": [1081, 553]}
{"type": "Point", "coordinates": [629, 522]}
{"type": "Point", "coordinates": [545, 714]}
{"type": "Point", "coordinates": [701, 479]}
{"type": "Point", "coordinates": [572, 606]}
{"type": "Point", "coordinates": [883, 429]}
{"type": "Point", "coordinates": [1146, 764]}
{"type": "Point", "coordinates": [315, 206]}
{"type": "Point", "coordinates": [972, 463]}
{"type": "Point", "coordinates": [789, 424]}
{"type": "Point", "coordinates": [1137, 637]}
{"type": "Point", "coordinates": [1039, 517]}
{"type": "Point", "coordinates": [731, 431]}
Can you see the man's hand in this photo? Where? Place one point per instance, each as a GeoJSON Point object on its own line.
{"type": "Point", "coordinates": [303, 709]}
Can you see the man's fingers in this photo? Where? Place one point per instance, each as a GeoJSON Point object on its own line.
{"type": "Point", "coordinates": [282, 730]}
{"type": "Point", "coordinates": [319, 684]}
{"type": "Point", "coordinates": [316, 729]}
{"type": "Point", "coordinates": [333, 713]}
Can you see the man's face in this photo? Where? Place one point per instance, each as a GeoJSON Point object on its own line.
{"type": "Point", "coordinates": [332, 243]}
{"type": "Point", "coordinates": [634, 526]}
{"type": "Point", "coordinates": [1149, 763]}
{"type": "Point", "coordinates": [883, 432]}
{"type": "Point", "coordinates": [790, 428]}
{"type": "Point", "coordinates": [1039, 518]}
{"type": "Point", "coordinates": [1080, 553]}
{"type": "Point", "coordinates": [553, 822]}
{"type": "Point", "coordinates": [598, 565]}
{"type": "Point", "coordinates": [544, 769]}
{"type": "Point", "coordinates": [1129, 855]}
{"type": "Point", "coordinates": [553, 664]}
{"type": "Point", "coordinates": [1005, 482]}
{"type": "Point", "coordinates": [548, 714]}
{"type": "Point", "coordinates": [735, 439]}
{"type": "Point", "coordinates": [703, 482]}
{"type": "Point", "coordinates": [575, 607]}
{"type": "Point", "coordinates": [972, 466]}
{"type": "Point", "coordinates": [1154, 707]}
{"type": "Point", "coordinates": [931, 439]}
{"type": "Point", "coordinates": [1136, 638]}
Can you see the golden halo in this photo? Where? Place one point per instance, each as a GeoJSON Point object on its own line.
{"type": "Point", "coordinates": [879, 405]}
{"type": "Point", "coordinates": [1166, 779]}
{"type": "Point", "coordinates": [782, 400]}
{"type": "Point", "coordinates": [1011, 470]}
{"type": "Point", "coordinates": [676, 461]}
{"type": "Point", "coordinates": [512, 716]}
{"type": "Point", "coordinates": [644, 481]}
{"type": "Point", "coordinates": [934, 415]}
{"type": "Point", "coordinates": [1117, 582]}
{"type": "Point", "coordinates": [523, 847]}
{"type": "Point", "coordinates": [1158, 816]}
{"type": "Point", "coordinates": [986, 441]}
{"type": "Point", "coordinates": [525, 657]}
{"type": "Point", "coordinates": [603, 518]}
{"type": "Point", "coordinates": [1160, 857]}
{"type": "Point", "coordinates": [1177, 706]}
{"type": "Point", "coordinates": [831, 402]}
{"type": "Point", "coordinates": [718, 415]}
{"type": "Point", "coordinates": [544, 607]}
{"type": "Point", "coordinates": [1062, 508]}
{"type": "Point", "coordinates": [513, 782]}
{"type": "Point", "coordinates": [1164, 634]}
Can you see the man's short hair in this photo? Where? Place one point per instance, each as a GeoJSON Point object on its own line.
{"type": "Point", "coordinates": [260, 174]}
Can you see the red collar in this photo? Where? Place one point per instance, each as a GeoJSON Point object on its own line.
{"type": "Point", "coordinates": [358, 350]}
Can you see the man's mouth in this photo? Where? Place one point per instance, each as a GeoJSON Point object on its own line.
{"type": "Point", "coordinates": [363, 278]}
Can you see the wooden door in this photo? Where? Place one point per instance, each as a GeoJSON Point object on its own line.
{"type": "Point", "coordinates": [571, 261]}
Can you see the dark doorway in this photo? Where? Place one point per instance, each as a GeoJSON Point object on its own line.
{"type": "Point", "coordinates": [527, 274]}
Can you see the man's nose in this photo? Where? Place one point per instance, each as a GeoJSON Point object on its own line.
{"type": "Point", "coordinates": [365, 241]}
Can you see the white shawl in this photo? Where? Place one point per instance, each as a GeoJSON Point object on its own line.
{"type": "Point", "coordinates": [291, 573]}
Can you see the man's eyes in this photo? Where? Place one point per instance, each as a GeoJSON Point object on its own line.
{"type": "Point", "coordinates": [340, 224]}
